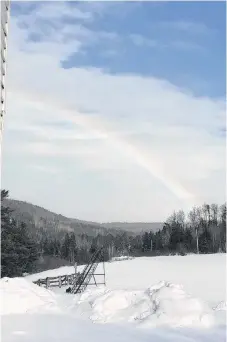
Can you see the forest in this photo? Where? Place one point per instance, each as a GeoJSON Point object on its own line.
{"type": "Point", "coordinates": [25, 250]}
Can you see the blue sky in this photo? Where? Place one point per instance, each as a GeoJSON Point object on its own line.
{"type": "Point", "coordinates": [120, 106]}
{"type": "Point", "coordinates": [184, 42]}
{"type": "Point", "coordinates": [187, 44]}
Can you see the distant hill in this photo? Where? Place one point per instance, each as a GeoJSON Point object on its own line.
{"type": "Point", "coordinates": [42, 218]}
{"type": "Point", "coordinates": [135, 227]}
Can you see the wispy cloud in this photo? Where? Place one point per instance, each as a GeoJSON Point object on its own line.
{"type": "Point", "coordinates": [52, 10]}
{"type": "Point", "coordinates": [51, 24]}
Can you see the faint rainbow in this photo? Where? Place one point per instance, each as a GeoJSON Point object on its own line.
{"type": "Point", "coordinates": [147, 162]}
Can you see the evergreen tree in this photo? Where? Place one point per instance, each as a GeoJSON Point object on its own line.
{"type": "Point", "coordinates": [188, 240]}
{"type": "Point", "coordinates": [72, 247]}
{"type": "Point", "coordinates": [205, 241]}
{"type": "Point", "coordinates": [18, 250]}
{"type": "Point", "coordinates": [176, 237]}
{"type": "Point", "coordinates": [157, 245]}
{"type": "Point", "coordinates": [146, 242]}
{"type": "Point", "coordinates": [94, 246]}
{"type": "Point", "coordinates": [65, 247]}
{"type": "Point", "coordinates": [165, 236]}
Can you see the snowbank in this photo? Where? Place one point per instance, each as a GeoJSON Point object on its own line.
{"type": "Point", "coordinates": [121, 258]}
{"type": "Point", "coordinates": [163, 304]}
{"type": "Point", "coordinates": [21, 296]}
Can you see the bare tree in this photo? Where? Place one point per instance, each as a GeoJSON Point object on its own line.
{"type": "Point", "coordinates": [180, 218]}
{"type": "Point", "coordinates": [214, 227]}
{"type": "Point", "coordinates": [222, 224]}
{"type": "Point", "coordinates": [194, 217]}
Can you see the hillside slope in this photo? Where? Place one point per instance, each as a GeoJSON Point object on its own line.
{"type": "Point", "coordinates": [42, 218]}
{"type": "Point", "coordinates": [134, 227]}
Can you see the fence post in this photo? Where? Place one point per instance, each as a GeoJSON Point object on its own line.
{"type": "Point", "coordinates": [47, 282]}
{"type": "Point", "coordinates": [59, 281]}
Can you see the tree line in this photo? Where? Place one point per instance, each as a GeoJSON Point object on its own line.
{"type": "Point", "coordinates": [202, 231]}
{"type": "Point", "coordinates": [22, 248]}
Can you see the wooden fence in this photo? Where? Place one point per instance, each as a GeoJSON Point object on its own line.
{"type": "Point", "coordinates": [64, 280]}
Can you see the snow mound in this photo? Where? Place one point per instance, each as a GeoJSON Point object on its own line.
{"type": "Point", "coordinates": [172, 306]}
{"type": "Point", "coordinates": [163, 304]}
{"type": "Point", "coordinates": [21, 296]}
{"type": "Point", "coordinates": [221, 306]}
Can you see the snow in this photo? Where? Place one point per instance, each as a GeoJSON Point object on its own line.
{"type": "Point", "coordinates": [121, 258]}
{"type": "Point", "coordinates": [173, 298]}
{"type": "Point", "coordinates": [221, 306]}
{"type": "Point", "coordinates": [162, 304]}
{"type": "Point", "coordinates": [19, 296]}
{"type": "Point", "coordinates": [203, 276]}
{"type": "Point", "coordinates": [63, 328]}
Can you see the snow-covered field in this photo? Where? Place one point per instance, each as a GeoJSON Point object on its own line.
{"type": "Point", "coordinates": [159, 299]}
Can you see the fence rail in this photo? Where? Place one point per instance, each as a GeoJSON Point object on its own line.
{"type": "Point", "coordinates": [63, 280]}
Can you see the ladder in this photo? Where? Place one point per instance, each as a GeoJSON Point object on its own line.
{"type": "Point", "coordinates": [82, 282]}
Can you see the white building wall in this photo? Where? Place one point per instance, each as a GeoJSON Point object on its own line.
{"type": "Point", "coordinates": [5, 6]}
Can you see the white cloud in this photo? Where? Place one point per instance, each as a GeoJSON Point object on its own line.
{"type": "Point", "coordinates": [140, 148]}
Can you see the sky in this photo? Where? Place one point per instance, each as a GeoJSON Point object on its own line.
{"type": "Point", "coordinates": [115, 110]}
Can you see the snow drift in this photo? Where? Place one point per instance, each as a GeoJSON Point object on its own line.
{"type": "Point", "coordinates": [18, 295]}
{"type": "Point", "coordinates": [162, 304]}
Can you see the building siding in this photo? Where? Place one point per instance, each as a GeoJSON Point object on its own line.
{"type": "Point", "coordinates": [5, 6]}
